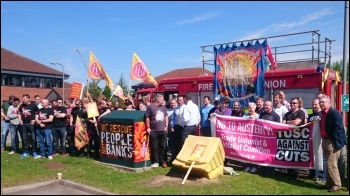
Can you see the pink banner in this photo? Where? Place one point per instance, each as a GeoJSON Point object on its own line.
{"type": "Point", "coordinates": [264, 142]}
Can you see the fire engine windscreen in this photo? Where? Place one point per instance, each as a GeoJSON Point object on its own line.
{"type": "Point", "coordinates": [239, 72]}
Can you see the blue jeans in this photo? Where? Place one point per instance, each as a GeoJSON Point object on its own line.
{"type": "Point", "coordinates": [41, 135]}
{"type": "Point", "coordinates": [14, 130]}
{"type": "Point", "coordinates": [29, 137]}
{"type": "Point", "coordinates": [5, 127]}
{"type": "Point", "coordinates": [59, 133]}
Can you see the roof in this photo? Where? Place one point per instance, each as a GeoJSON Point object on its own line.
{"type": "Point", "coordinates": [15, 62]}
{"type": "Point", "coordinates": [18, 92]}
{"type": "Point", "coordinates": [296, 65]}
{"type": "Point", "coordinates": [183, 72]}
{"type": "Point", "coordinates": [123, 116]}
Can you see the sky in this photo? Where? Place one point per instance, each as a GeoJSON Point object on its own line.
{"type": "Point", "coordinates": [165, 35]}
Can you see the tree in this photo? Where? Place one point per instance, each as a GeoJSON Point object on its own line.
{"type": "Point", "coordinates": [94, 89]}
{"type": "Point", "coordinates": [107, 92]}
{"type": "Point", "coordinates": [338, 66]}
{"type": "Point", "coordinates": [122, 83]}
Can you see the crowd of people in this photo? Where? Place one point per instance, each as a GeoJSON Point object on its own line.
{"type": "Point", "coordinates": [46, 128]}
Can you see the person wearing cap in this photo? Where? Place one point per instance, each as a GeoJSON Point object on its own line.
{"type": "Point", "coordinates": [223, 109]}
{"type": "Point", "coordinates": [5, 122]}
{"type": "Point", "coordinates": [129, 105]}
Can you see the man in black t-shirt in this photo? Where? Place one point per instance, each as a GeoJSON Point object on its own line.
{"type": "Point", "coordinates": [294, 117]}
{"type": "Point", "coordinates": [44, 119]}
{"type": "Point", "coordinates": [27, 111]}
{"type": "Point", "coordinates": [259, 105]}
{"type": "Point", "coordinates": [237, 111]}
{"type": "Point", "coordinates": [268, 113]}
{"type": "Point", "coordinates": [59, 128]}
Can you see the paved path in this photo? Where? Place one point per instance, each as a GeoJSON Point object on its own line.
{"type": "Point", "coordinates": [54, 187]}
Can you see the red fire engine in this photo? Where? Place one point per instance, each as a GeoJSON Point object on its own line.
{"type": "Point", "coordinates": [304, 82]}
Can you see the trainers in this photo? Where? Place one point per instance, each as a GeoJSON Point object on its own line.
{"type": "Point", "coordinates": [247, 169]}
{"type": "Point", "coordinates": [65, 154]}
{"type": "Point", "coordinates": [321, 182]}
{"type": "Point", "coordinates": [253, 170]}
{"type": "Point", "coordinates": [35, 154]}
{"type": "Point", "coordinates": [164, 165]}
{"type": "Point", "coordinates": [54, 154]}
{"type": "Point", "coordinates": [155, 165]}
{"type": "Point", "coordinates": [37, 157]}
{"type": "Point", "coordinates": [50, 157]}
{"type": "Point", "coordinates": [24, 155]}
{"type": "Point", "coordinates": [12, 152]}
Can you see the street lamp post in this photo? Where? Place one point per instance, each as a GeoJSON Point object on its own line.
{"type": "Point", "coordinates": [55, 63]}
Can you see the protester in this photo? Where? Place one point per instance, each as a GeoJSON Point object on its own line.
{"type": "Point", "coordinates": [279, 108]}
{"type": "Point", "coordinates": [205, 129]}
{"type": "Point", "coordinates": [333, 139]}
{"type": "Point", "coordinates": [44, 119]}
{"type": "Point", "coordinates": [216, 106]}
{"type": "Point", "coordinates": [259, 105]}
{"type": "Point", "coordinates": [27, 111]}
{"type": "Point", "coordinates": [38, 101]}
{"type": "Point", "coordinates": [251, 115]}
{"type": "Point", "coordinates": [71, 130]}
{"type": "Point", "coordinates": [5, 123]}
{"type": "Point", "coordinates": [179, 124]}
{"type": "Point", "coordinates": [142, 106]}
{"type": "Point", "coordinates": [303, 109]}
{"type": "Point", "coordinates": [13, 115]}
{"type": "Point", "coordinates": [157, 127]}
{"type": "Point", "coordinates": [270, 115]}
{"type": "Point", "coordinates": [294, 117]}
{"type": "Point", "coordinates": [59, 128]}
{"type": "Point", "coordinates": [223, 108]}
{"type": "Point", "coordinates": [171, 128]}
{"type": "Point", "coordinates": [237, 111]}
{"type": "Point", "coordinates": [190, 119]}
{"type": "Point", "coordinates": [284, 100]}
{"type": "Point", "coordinates": [319, 176]}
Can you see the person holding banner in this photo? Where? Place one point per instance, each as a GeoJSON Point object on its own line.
{"type": "Point", "coordinates": [251, 115]}
{"type": "Point", "coordinates": [318, 175]}
{"type": "Point", "coordinates": [270, 115]}
{"type": "Point", "coordinates": [294, 117]}
{"type": "Point", "coordinates": [76, 110]}
{"type": "Point", "coordinates": [333, 139]}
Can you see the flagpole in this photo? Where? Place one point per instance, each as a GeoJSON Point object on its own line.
{"type": "Point", "coordinates": [87, 70]}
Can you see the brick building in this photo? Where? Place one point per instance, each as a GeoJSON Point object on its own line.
{"type": "Point", "coordinates": [20, 75]}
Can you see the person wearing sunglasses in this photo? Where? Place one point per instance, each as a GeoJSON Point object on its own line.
{"type": "Point", "coordinates": [294, 117]}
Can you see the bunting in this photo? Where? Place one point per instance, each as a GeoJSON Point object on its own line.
{"type": "Point", "coordinates": [140, 72]}
{"type": "Point", "coordinates": [96, 71]}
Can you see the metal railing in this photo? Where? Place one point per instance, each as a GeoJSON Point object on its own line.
{"type": "Point", "coordinates": [303, 48]}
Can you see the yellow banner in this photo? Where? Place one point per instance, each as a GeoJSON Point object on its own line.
{"type": "Point", "coordinates": [81, 137]}
{"type": "Point", "coordinates": [140, 72]}
{"type": "Point", "coordinates": [96, 71]}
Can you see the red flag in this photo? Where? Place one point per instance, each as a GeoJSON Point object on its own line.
{"type": "Point", "coordinates": [270, 57]}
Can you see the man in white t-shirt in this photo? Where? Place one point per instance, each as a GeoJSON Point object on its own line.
{"type": "Point", "coordinates": [279, 108]}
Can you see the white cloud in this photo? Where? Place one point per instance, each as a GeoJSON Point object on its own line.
{"type": "Point", "coordinates": [288, 25]}
{"type": "Point", "coordinates": [199, 18]}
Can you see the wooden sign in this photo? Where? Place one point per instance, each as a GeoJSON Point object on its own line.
{"type": "Point", "coordinates": [92, 110]}
{"type": "Point", "coordinates": [77, 90]}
